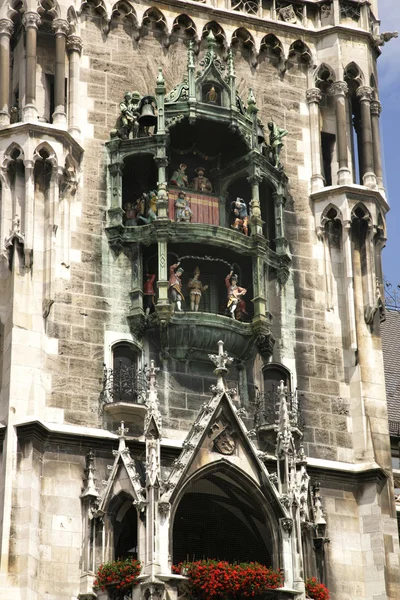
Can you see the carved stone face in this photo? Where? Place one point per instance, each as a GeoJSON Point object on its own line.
{"type": "Point", "coordinates": [326, 11]}
{"type": "Point", "coordinates": [224, 443]}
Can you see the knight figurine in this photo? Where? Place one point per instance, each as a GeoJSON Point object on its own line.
{"type": "Point", "coordinates": [235, 293]}
{"type": "Point", "coordinates": [183, 212]}
{"type": "Point", "coordinates": [241, 215]}
{"type": "Point", "coordinates": [175, 286]}
{"type": "Point", "coordinates": [196, 290]}
{"type": "Point", "coordinates": [149, 294]}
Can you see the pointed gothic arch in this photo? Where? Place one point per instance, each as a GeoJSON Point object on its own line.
{"type": "Point", "coordinates": [221, 513]}
{"type": "Point", "coordinates": [218, 32]}
{"type": "Point", "coordinates": [184, 26]}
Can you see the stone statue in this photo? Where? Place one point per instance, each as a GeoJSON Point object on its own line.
{"type": "Point", "coordinates": [183, 212]}
{"type": "Point", "coordinates": [129, 115]}
{"type": "Point", "coordinates": [241, 214]}
{"type": "Point", "coordinates": [175, 286]}
{"type": "Point", "coordinates": [196, 289]}
{"type": "Point", "coordinates": [148, 294]}
{"type": "Point", "coordinates": [275, 141]}
{"type": "Point", "coordinates": [130, 214]}
{"type": "Point", "coordinates": [179, 177]}
{"type": "Point", "coordinates": [201, 183]}
{"type": "Point", "coordinates": [235, 293]}
{"type": "Point", "coordinates": [212, 96]}
{"type": "Point", "coordinates": [151, 210]}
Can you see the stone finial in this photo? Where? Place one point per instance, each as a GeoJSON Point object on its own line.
{"type": "Point", "coordinates": [90, 490]}
{"type": "Point", "coordinates": [231, 64]}
{"type": "Point", "coordinates": [153, 419]}
{"type": "Point", "coordinates": [284, 437]}
{"type": "Point", "coordinates": [221, 360]}
{"type": "Point", "coordinates": [122, 431]}
{"type": "Point", "coordinates": [191, 61]}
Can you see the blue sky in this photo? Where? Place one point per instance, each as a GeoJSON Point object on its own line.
{"type": "Point", "coordinates": [389, 89]}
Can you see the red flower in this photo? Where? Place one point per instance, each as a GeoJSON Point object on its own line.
{"type": "Point", "coordinates": [212, 580]}
{"type": "Point", "coordinates": [316, 590]}
{"type": "Point", "coordinates": [122, 573]}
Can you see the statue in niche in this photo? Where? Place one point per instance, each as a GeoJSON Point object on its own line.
{"type": "Point", "coordinates": [212, 96]}
{"type": "Point", "coordinates": [179, 177]}
{"type": "Point", "coordinates": [175, 286]}
{"type": "Point", "coordinates": [326, 10]}
{"type": "Point", "coordinates": [235, 293]}
{"type": "Point", "coordinates": [276, 134]}
{"type": "Point", "coordinates": [149, 294]}
{"type": "Point", "coordinates": [201, 183]}
{"type": "Point", "coordinates": [130, 214]}
{"type": "Point", "coordinates": [241, 214]}
{"type": "Point", "coordinates": [151, 214]}
{"type": "Point", "coordinates": [129, 115]}
{"type": "Point", "coordinates": [183, 212]}
{"type": "Point", "coordinates": [196, 290]}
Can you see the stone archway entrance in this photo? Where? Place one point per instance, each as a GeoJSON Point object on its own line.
{"type": "Point", "coordinates": [219, 517]}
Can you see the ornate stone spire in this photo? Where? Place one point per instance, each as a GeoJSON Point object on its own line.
{"type": "Point", "coordinates": [90, 490]}
{"type": "Point", "coordinates": [284, 442]}
{"type": "Point", "coordinates": [153, 419]}
{"type": "Point", "coordinates": [221, 360]}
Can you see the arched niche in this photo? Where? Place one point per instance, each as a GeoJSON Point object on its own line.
{"type": "Point", "coordinates": [139, 176]}
{"type": "Point", "coordinates": [221, 514]}
{"type": "Point", "coordinates": [123, 524]}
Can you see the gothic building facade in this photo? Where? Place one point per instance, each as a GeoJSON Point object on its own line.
{"type": "Point", "coordinates": [192, 216]}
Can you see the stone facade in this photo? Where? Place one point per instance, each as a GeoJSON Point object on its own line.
{"type": "Point", "coordinates": [71, 279]}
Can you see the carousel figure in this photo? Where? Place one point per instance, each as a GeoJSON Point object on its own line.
{"type": "Point", "coordinates": [235, 293]}
{"type": "Point", "coordinates": [175, 286]}
{"type": "Point", "coordinates": [201, 183]}
{"type": "Point", "coordinates": [130, 214]}
{"type": "Point", "coordinates": [152, 209]}
{"type": "Point", "coordinates": [196, 290]}
{"type": "Point", "coordinates": [241, 214]}
{"type": "Point", "coordinates": [179, 177]}
{"type": "Point", "coordinates": [183, 212]}
{"type": "Point", "coordinates": [148, 294]}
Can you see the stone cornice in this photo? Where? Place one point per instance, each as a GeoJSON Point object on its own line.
{"type": "Point", "coordinates": [42, 130]}
{"type": "Point", "coordinates": [76, 436]}
{"type": "Point", "coordinates": [364, 193]}
{"type": "Point", "coordinates": [271, 25]}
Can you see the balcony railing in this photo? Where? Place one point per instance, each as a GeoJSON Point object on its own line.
{"type": "Point", "coordinates": [394, 428]}
{"type": "Point", "coordinates": [267, 409]}
{"type": "Point", "coordinates": [124, 384]}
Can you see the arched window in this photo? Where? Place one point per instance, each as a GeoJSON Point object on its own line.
{"type": "Point", "coordinates": [221, 517]}
{"type": "Point", "coordinates": [125, 378]}
{"type": "Point", "coordinates": [273, 374]}
{"type": "Point", "coordinates": [124, 523]}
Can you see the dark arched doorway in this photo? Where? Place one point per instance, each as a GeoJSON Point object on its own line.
{"type": "Point", "coordinates": [125, 526]}
{"type": "Point", "coordinates": [219, 517]}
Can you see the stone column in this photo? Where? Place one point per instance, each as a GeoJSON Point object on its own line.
{"type": "Point", "coordinates": [340, 89]}
{"type": "Point", "coordinates": [6, 30]}
{"type": "Point", "coordinates": [364, 94]}
{"type": "Point", "coordinates": [74, 47]}
{"type": "Point", "coordinates": [115, 213]}
{"type": "Point", "coordinates": [255, 219]}
{"type": "Point", "coordinates": [31, 22]}
{"type": "Point", "coordinates": [280, 240]}
{"type": "Point", "coordinates": [314, 98]}
{"type": "Point", "coordinates": [61, 28]}
{"type": "Point", "coordinates": [29, 211]}
{"type": "Point", "coordinates": [376, 109]}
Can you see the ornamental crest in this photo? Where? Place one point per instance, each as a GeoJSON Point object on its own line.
{"type": "Point", "coordinates": [224, 442]}
{"type": "Point", "coordinates": [288, 14]}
